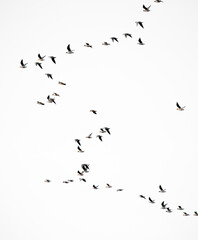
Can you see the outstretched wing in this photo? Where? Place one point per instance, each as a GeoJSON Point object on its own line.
{"type": "Point", "coordinates": [140, 41]}
{"type": "Point", "coordinates": [177, 104]}
{"type": "Point", "coordinates": [39, 56]}
{"type": "Point", "coordinates": [68, 48]}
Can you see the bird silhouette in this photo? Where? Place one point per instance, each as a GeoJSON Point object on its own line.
{"type": "Point", "coordinates": [23, 65]}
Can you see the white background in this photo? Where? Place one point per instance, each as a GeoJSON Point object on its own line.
{"type": "Point", "coordinates": [134, 89]}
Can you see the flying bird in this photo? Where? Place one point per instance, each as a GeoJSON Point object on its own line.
{"type": "Point", "coordinates": [93, 111]}
{"type": "Point", "coordinates": [40, 58]}
{"type": "Point", "coordinates": [108, 186]}
{"type": "Point", "coordinates": [53, 59]}
{"type": "Point", "coordinates": [62, 83]}
{"type": "Point", "coordinates": [40, 103]}
{"type": "Point", "coordinates": [140, 24]}
{"type": "Point", "coordinates": [146, 9]}
{"type": "Point", "coordinates": [65, 182]}
{"type": "Point", "coordinates": [23, 65]}
{"type": "Point", "coordinates": [114, 39]}
{"type": "Point", "coordinates": [51, 100]}
{"type": "Point", "coordinates": [55, 94]}
{"type": "Point", "coordinates": [186, 214]}
{"type": "Point", "coordinates": [120, 190]}
{"type": "Point", "coordinates": [80, 150]}
{"type": "Point", "coordinates": [47, 180]}
{"type": "Point", "coordinates": [161, 189]}
{"type": "Point", "coordinates": [168, 210]}
{"type": "Point", "coordinates": [127, 35]}
{"type": "Point", "coordinates": [163, 205]}
{"type": "Point", "coordinates": [49, 75]}
{"type": "Point", "coordinates": [151, 201]}
{"type": "Point", "coordinates": [100, 137]}
{"type": "Point", "coordinates": [102, 130]}
{"type": "Point", "coordinates": [140, 42]}
{"type": "Point", "coordinates": [195, 214]}
{"type": "Point", "coordinates": [85, 167]}
{"type": "Point", "coordinates": [107, 129]}
{"type": "Point", "coordinates": [78, 141]}
{"type": "Point", "coordinates": [89, 136]}
{"type": "Point", "coordinates": [38, 64]}
{"type": "Point", "coordinates": [105, 43]}
{"type": "Point", "coordinates": [80, 173]}
{"type": "Point", "coordinates": [180, 208]}
{"type": "Point", "coordinates": [158, 1]}
{"type": "Point", "coordinates": [142, 196]}
{"type": "Point", "coordinates": [69, 51]}
{"type": "Point", "coordinates": [87, 45]}
{"type": "Point", "coordinates": [82, 179]}
{"type": "Point", "coordinates": [179, 108]}
{"type": "Point", "coordinates": [95, 187]}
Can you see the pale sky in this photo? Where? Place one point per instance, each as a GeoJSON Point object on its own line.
{"type": "Point", "coordinates": [134, 90]}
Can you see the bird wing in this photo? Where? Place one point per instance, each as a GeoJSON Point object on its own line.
{"type": "Point", "coordinates": [160, 187]}
{"type": "Point", "coordinates": [48, 97]}
{"type": "Point", "coordinates": [68, 48]}
{"type": "Point", "coordinates": [177, 104]}
{"type": "Point", "coordinates": [140, 23]}
{"type": "Point", "coordinates": [145, 7]}
{"type": "Point", "coordinates": [53, 60]}
{"type": "Point", "coordinates": [22, 62]}
{"type": "Point", "coordinates": [39, 56]}
{"type": "Point", "coordinates": [140, 40]}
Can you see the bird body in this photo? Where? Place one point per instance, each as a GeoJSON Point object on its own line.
{"type": "Point", "coordinates": [62, 83]}
{"type": "Point", "coordinates": [55, 95]}
{"type": "Point", "coordinates": [53, 59]}
{"type": "Point", "coordinates": [179, 108]}
{"type": "Point", "coordinates": [142, 196]}
{"type": "Point", "coordinates": [100, 137]}
{"type": "Point", "coordinates": [47, 180]}
{"type": "Point", "coordinates": [120, 190]}
{"type": "Point", "coordinates": [108, 186]}
{"type": "Point", "coordinates": [93, 111]}
{"type": "Point", "coordinates": [140, 24]}
{"type": "Point", "coordinates": [127, 35]}
{"type": "Point", "coordinates": [88, 45]}
{"type": "Point", "coordinates": [49, 75]}
{"type": "Point", "coordinates": [186, 214]}
{"type": "Point", "coordinates": [40, 103]}
{"type": "Point", "coordinates": [82, 179]}
{"type": "Point", "coordinates": [95, 187]}
{"type": "Point", "coordinates": [38, 64]}
{"type": "Point", "coordinates": [180, 208]}
{"type": "Point", "coordinates": [114, 39]}
{"type": "Point", "coordinates": [105, 43]}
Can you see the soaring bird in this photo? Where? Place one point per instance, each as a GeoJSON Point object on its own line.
{"type": "Point", "coordinates": [120, 190]}
{"type": "Point", "coordinates": [127, 35]}
{"type": "Point", "coordinates": [78, 141]}
{"type": "Point", "coordinates": [62, 83]}
{"type": "Point", "coordinates": [23, 65]}
{"type": "Point", "coordinates": [82, 179]}
{"type": "Point", "coordinates": [65, 182]}
{"type": "Point", "coordinates": [87, 45]}
{"type": "Point", "coordinates": [114, 39]}
{"type": "Point", "coordinates": [80, 173]}
{"type": "Point", "coordinates": [140, 42]}
{"type": "Point", "coordinates": [38, 64]}
{"type": "Point", "coordinates": [163, 205]}
{"type": "Point", "coordinates": [151, 201]}
{"type": "Point", "coordinates": [55, 94]}
{"type": "Point", "coordinates": [85, 167]}
{"type": "Point", "coordinates": [142, 196]}
{"type": "Point", "coordinates": [140, 24]}
{"type": "Point", "coordinates": [95, 187]}
{"type": "Point", "coordinates": [69, 51]}
{"type": "Point", "coordinates": [186, 214]}
{"type": "Point", "coordinates": [53, 59]}
{"type": "Point", "coordinates": [93, 111]}
{"type": "Point", "coordinates": [179, 108]}
{"type": "Point", "coordinates": [161, 189]}
{"type": "Point", "coordinates": [80, 150]}
{"type": "Point", "coordinates": [51, 100]}
{"type": "Point", "coordinates": [40, 103]}
{"type": "Point", "coordinates": [146, 9]}
{"type": "Point", "coordinates": [195, 214]}
{"type": "Point", "coordinates": [180, 208]}
{"type": "Point", "coordinates": [40, 58]}
{"type": "Point", "coordinates": [49, 75]}
{"type": "Point", "coordinates": [89, 136]}
{"type": "Point", "coordinates": [107, 129]}
{"type": "Point", "coordinates": [47, 180]}
{"type": "Point", "coordinates": [100, 137]}
{"type": "Point", "coordinates": [168, 210]}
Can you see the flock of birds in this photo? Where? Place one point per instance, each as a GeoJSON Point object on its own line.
{"type": "Point", "coordinates": [85, 167]}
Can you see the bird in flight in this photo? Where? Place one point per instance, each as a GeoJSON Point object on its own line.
{"type": "Point", "coordinates": [100, 137]}
{"type": "Point", "coordinates": [186, 214]}
{"type": "Point", "coordinates": [151, 201]}
{"type": "Point", "coordinates": [69, 51]}
{"type": "Point", "coordinates": [161, 189]}
{"type": "Point", "coordinates": [47, 180]}
{"type": "Point", "coordinates": [108, 186]}
{"type": "Point", "coordinates": [158, 1]}
{"type": "Point", "coordinates": [40, 103]}
{"type": "Point", "coordinates": [40, 58]}
{"type": "Point", "coordinates": [120, 190]}
{"type": "Point", "coordinates": [107, 129]}
{"type": "Point", "coordinates": [114, 39]}
{"type": "Point", "coordinates": [89, 136]}
{"type": "Point", "coordinates": [195, 214]}
{"type": "Point", "coordinates": [78, 141]}
{"type": "Point", "coordinates": [180, 208]}
{"type": "Point", "coordinates": [142, 196]}
{"type": "Point", "coordinates": [93, 111]}
{"type": "Point", "coordinates": [168, 210]}
{"type": "Point", "coordinates": [140, 42]}
{"type": "Point", "coordinates": [55, 94]}
{"type": "Point", "coordinates": [127, 35]}
{"type": "Point", "coordinates": [23, 65]}
{"type": "Point", "coordinates": [80, 173]}
{"type": "Point", "coordinates": [179, 108]}
{"type": "Point", "coordinates": [95, 187]}
{"type": "Point", "coordinates": [163, 205]}
{"type": "Point", "coordinates": [105, 43]}
{"type": "Point", "coordinates": [87, 45]}
{"type": "Point", "coordinates": [53, 59]}
{"type": "Point", "coordinates": [146, 9]}
{"type": "Point", "coordinates": [140, 24]}
{"type": "Point", "coordinates": [51, 100]}
{"type": "Point", "coordinates": [82, 179]}
{"type": "Point", "coordinates": [85, 167]}
{"type": "Point", "coordinates": [65, 182]}
{"type": "Point", "coordinates": [39, 64]}
{"type": "Point", "coordinates": [49, 75]}
{"type": "Point", "coordinates": [80, 150]}
{"type": "Point", "coordinates": [102, 130]}
{"type": "Point", "coordinates": [62, 83]}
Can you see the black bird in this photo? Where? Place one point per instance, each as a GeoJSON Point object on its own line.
{"type": "Point", "coordinates": [55, 95]}
{"type": "Point", "coordinates": [100, 137]}
{"type": "Point", "coordinates": [87, 45]}
{"type": "Point", "coordinates": [40, 103]}
{"type": "Point", "coordinates": [53, 59]}
{"type": "Point", "coordinates": [108, 186]}
{"type": "Point", "coordinates": [80, 150]}
{"type": "Point", "coordinates": [80, 173]}
{"type": "Point", "coordinates": [82, 179]}
{"type": "Point", "coordinates": [40, 58]}
{"type": "Point", "coordinates": [163, 205]}
{"type": "Point", "coordinates": [180, 208]}
{"type": "Point", "coordinates": [142, 196]}
{"type": "Point", "coordinates": [65, 182]}
{"type": "Point", "coordinates": [168, 210]}
{"type": "Point", "coordinates": [140, 24]}
{"type": "Point", "coordinates": [85, 167]}
{"type": "Point", "coordinates": [158, 1]}
{"type": "Point", "coordinates": [146, 9]}
{"type": "Point", "coordinates": [195, 214]}
{"type": "Point", "coordinates": [127, 35]}
{"type": "Point", "coordinates": [107, 129]}
{"type": "Point", "coordinates": [186, 214]}
{"type": "Point", "coordinates": [47, 180]}
{"type": "Point", "coordinates": [95, 187]}
{"type": "Point", "coordinates": [161, 189]}
{"type": "Point", "coordinates": [39, 64]}
{"type": "Point", "coordinates": [23, 65]}
{"type": "Point", "coordinates": [179, 108]}
{"type": "Point", "coordinates": [102, 130]}
{"type": "Point", "coordinates": [62, 83]}
{"type": "Point", "coordinates": [93, 111]}
{"type": "Point", "coordinates": [140, 42]}
{"type": "Point", "coordinates": [69, 51]}
{"type": "Point", "coordinates": [50, 100]}
{"type": "Point", "coordinates": [151, 201]}
{"type": "Point", "coordinates": [114, 39]}
{"type": "Point", "coordinates": [105, 43]}
{"type": "Point", "coordinates": [78, 141]}
{"type": "Point", "coordinates": [49, 75]}
{"type": "Point", "coordinates": [89, 136]}
{"type": "Point", "coordinates": [120, 190]}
